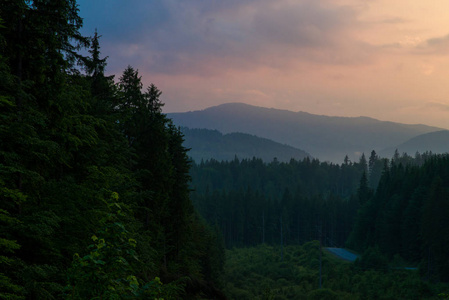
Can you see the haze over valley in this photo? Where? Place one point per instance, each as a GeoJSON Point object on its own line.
{"type": "Point", "coordinates": [324, 137]}
{"type": "Point", "coordinates": [327, 177]}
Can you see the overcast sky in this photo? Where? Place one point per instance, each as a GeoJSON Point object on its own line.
{"type": "Point", "coordinates": [386, 59]}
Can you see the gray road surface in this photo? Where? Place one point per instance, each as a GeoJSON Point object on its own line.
{"type": "Point", "coordinates": [342, 253]}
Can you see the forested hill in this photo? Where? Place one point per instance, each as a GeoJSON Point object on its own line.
{"type": "Point", "coordinates": [392, 211]}
{"type": "Point", "coordinates": [437, 142]}
{"type": "Point", "coordinates": [406, 217]}
{"type": "Point", "coordinates": [206, 144]}
{"type": "Point", "coordinates": [323, 137]}
{"type": "Point", "coordinates": [251, 202]}
{"type": "Point", "coordinates": [94, 179]}
{"type": "Point", "coordinates": [99, 199]}
{"type": "Point", "coordinates": [246, 199]}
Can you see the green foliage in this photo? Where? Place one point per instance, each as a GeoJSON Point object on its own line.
{"type": "Point", "coordinates": [406, 216]}
{"type": "Point", "coordinates": [324, 294]}
{"type": "Point", "coordinates": [259, 273]}
{"type": "Point", "coordinates": [67, 140]}
{"type": "Point", "coordinates": [9, 288]}
{"type": "Point", "coordinates": [372, 258]}
{"type": "Point", "coordinates": [247, 198]}
{"type": "Point", "coordinates": [106, 271]}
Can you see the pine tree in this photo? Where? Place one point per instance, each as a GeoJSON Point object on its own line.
{"type": "Point", "coordinates": [95, 65]}
{"type": "Point", "coordinates": [152, 99]}
{"type": "Point", "coordinates": [363, 164]}
{"type": "Point", "coordinates": [69, 139]}
{"type": "Point", "coordinates": [364, 193]}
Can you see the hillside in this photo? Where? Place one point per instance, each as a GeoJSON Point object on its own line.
{"type": "Point", "coordinates": [437, 142]}
{"type": "Point", "coordinates": [324, 137]}
{"type": "Point", "coordinates": [206, 144]}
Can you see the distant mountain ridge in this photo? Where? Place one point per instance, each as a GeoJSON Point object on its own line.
{"type": "Point", "coordinates": [437, 142]}
{"type": "Point", "coordinates": [324, 137]}
{"type": "Point", "coordinates": [205, 144]}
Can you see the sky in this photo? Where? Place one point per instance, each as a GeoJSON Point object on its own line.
{"type": "Point", "coordinates": [384, 59]}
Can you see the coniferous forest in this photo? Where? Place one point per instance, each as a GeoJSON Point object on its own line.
{"type": "Point", "coordinates": [390, 211]}
{"type": "Point", "coordinates": [99, 199]}
{"type": "Point", "coordinates": [93, 177]}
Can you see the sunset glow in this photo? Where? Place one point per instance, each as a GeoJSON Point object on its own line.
{"type": "Point", "coordinates": [383, 59]}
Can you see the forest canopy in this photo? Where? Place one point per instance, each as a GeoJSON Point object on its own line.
{"type": "Point", "coordinates": [93, 176]}
{"type": "Point", "coordinates": [99, 199]}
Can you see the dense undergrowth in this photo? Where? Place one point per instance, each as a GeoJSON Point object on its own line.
{"type": "Point", "coordinates": [270, 272]}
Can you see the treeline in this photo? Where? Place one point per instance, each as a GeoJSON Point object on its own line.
{"type": "Point", "coordinates": [94, 179]}
{"type": "Point", "coordinates": [253, 202]}
{"type": "Point", "coordinates": [406, 217]}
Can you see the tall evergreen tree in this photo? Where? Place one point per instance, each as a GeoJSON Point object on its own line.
{"type": "Point", "coordinates": [364, 192]}
{"type": "Point", "coordinates": [152, 99]}
{"type": "Point", "coordinates": [68, 140]}
{"type": "Point", "coordinates": [95, 65]}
